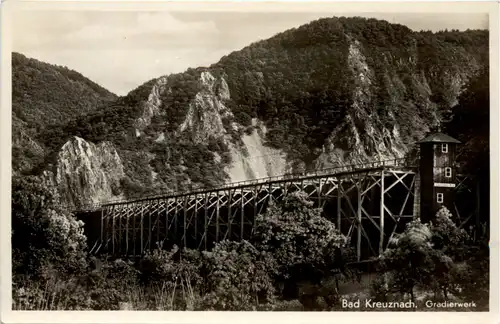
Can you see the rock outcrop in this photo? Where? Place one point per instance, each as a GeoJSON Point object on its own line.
{"type": "Point", "coordinates": [87, 174]}
{"type": "Point", "coordinates": [207, 110]}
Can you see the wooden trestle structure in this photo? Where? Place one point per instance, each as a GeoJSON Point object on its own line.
{"type": "Point", "coordinates": [369, 203]}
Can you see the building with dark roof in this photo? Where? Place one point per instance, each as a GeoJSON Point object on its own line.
{"type": "Point", "coordinates": [437, 174]}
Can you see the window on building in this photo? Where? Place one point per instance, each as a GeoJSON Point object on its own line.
{"type": "Point", "coordinates": [444, 148]}
{"type": "Point", "coordinates": [440, 198]}
{"type": "Point", "coordinates": [447, 172]}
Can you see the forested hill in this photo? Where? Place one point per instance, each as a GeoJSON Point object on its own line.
{"type": "Point", "coordinates": [44, 94]}
{"type": "Point", "coordinates": [307, 80]}
{"type": "Point", "coordinates": [336, 90]}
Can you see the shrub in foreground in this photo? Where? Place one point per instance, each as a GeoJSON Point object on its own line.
{"type": "Point", "coordinates": [239, 277]}
{"type": "Point", "coordinates": [46, 239]}
{"type": "Point", "coordinates": [307, 246]}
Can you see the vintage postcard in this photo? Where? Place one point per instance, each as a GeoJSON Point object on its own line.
{"type": "Point", "coordinates": [296, 161]}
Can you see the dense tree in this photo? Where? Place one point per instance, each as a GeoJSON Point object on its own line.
{"type": "Point", "coordinates": [46, 239]}
{"type": "Point", "coordinates": [470, 123]}
{"type": "Point", "coordinates": [239, 277]}
{"type": "Point", "coordinates": [306, 246]}
{"type": "Point", "coordinates": [428, 257]}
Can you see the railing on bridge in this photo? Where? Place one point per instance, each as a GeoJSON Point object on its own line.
{"type": "Point", "coordinates": [401, 162]}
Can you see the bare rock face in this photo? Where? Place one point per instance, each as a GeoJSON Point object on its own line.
{"type": "Point", "coordinates": [207, 110]}
{"type": "Point", "coordinates": [253, 160]}
{"type": "Point", "coordinates": [151, 107]}
{"type": "Point", "coordinates": [362, 137]}
{"type": "Point", "coordinates": [86, 173]}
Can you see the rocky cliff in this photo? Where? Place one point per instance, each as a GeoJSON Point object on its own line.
{"type": "Point", "coordinates": [87, 174]}
{"type": "Point", "coordinates": [332, 92]}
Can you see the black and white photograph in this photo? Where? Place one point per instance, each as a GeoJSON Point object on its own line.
{"type": "Point", "coordinates": [231, 159]}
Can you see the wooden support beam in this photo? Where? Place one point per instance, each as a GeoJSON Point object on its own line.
{"type": "Point", "coordinates": [368, 240]}
{"type": "Point", "coordinates": [175, 220]}
{"type": "Point", "coordinates": [184, 228]}
{"type": "Point", "coordinates": [142, 229]}
{"type": "Point", "coordinates": [412, 184]}
{"type": "Point", "coordinates": [120, 232]}
{"type": "Point", "coordinates": [205, 235]}
{"type": "Point", "coordinates": [382, 214]}
{"type": "Point", "coordinates": [102, 224]}
{"type": "Point", "coordinates": [402, 209]}
{"type": "Point", "coordinates": [217, 219]}
{"type": "Point", "coordinates": [196, 218]}
{"type": "Point", "coordinates": [466, 220]}
{"type": "Point", "coordinates": [242, 214]}
{"type": "Point", "coordinates": [113, 230]}
{"type": "Point", "coordinates": [358, 246]}
{"type": "Point", "coordinates": [371, 218]}
{"type": "Point", "coordinates": [150, 229]}
{"type": "Point", "coordinates": [107, 229]}
{"type": "Point", "coordinates": [255, 206]}
{"type": "Point", "coordinates": [332, 189]}
{"type": "Point", "coordinates": [399, 180]}
{"type": "Point", "coordinates": [376, 183]}
{"type": "Point", "coordinates": [339, 203]}
{"type": "Point", "coordinates": [456, 211]}
{"type": "Point", "coordinates": [320, 191]}
{"type": "Point", "coordinates": [229, 215]}
{"type": "Point", "coordinates": [134, 232]}
{"type": "Point", "coordinates": [157, 221]}
{"type": "Point", "coordinates": [126, 232]}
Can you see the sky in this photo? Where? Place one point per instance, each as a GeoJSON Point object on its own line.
{"type": "Point", "coordinates": [121, 50]}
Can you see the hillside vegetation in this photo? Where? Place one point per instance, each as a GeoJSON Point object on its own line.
{"type": "Point", "coordinates": [336, 90]}
{"type": "Point", "coordinates": [43, 95]}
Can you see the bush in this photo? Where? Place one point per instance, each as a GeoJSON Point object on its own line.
{"type": "Point", "coordinates": [102, 288]}
{"type": "Point", "coordinates": [239, 277]}
{"type": "Point", "coordinates": [424, 256]}
{"type": "Point", "coordinates": [446, 236]}
{"type": "Point", "coordinates": [307, 247]}
{"type": "Point", "coordinates": [46, 239]}
{"type": "Point", "coordinates": [296, 234]}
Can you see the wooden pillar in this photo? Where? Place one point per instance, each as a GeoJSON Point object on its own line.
{"type": "Point", "coordinates": [339, 202]}
{"type": "Point", "coordinates": [175, 220]}
{"type": "Point", "coordinates": [320, 189]}
{"type": "Point", "coordinates": [242, 215]}
{"type": "Point", "coordinates": [359, 234]}
{"type": "Point", "coordinates": [126, 230]}
{"type": "Point", "coordinates": [106, 229]}
{"type": "Point", "coordinates": [150, 225]}
{"type": "Point", "coordinates": [184, 231]}
{"type": "Point", "coordinates": [113, 230]}
{"type": "Point", "coordinates": [102, 224]}
{"type": "Point", "coordinates": [270, 193]}
{"type": "Point", "coordinates": [205, 234]}
{"type": "Point", "coordinates": [217, 218]}
{"type": "Point", "coordinates": [196, 219]}
{"type": "Point", "coordinates": [382, 213]}
{"type": "Point", "coordinates": [229, 214]}
{"type": "Point", "coordinates": [142, 229]}
{"type": "Point", "coordinates": [256, 206]}
{"type": "Point", "coordinates": [157, 223]}
{"type": "Point", "coordinates": [134, 233]}
{"type": "Point", "coordinates": [120, 233]}
{"type": "Point", "coordinates": [166, 220]}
